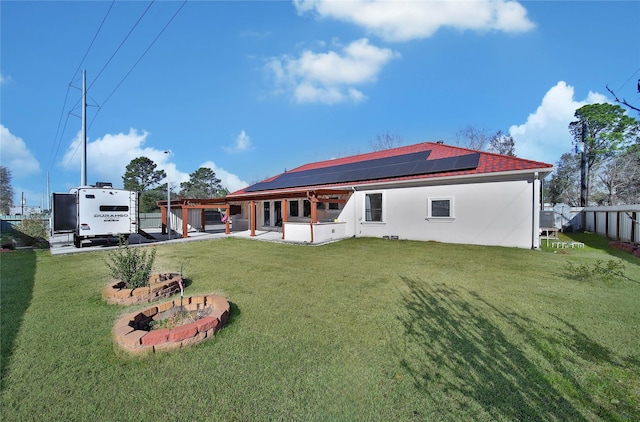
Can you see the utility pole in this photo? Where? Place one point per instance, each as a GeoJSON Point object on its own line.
{"type": "Point", "coordinates": [168, 152]}
{"type": "Point", "coordinates": [584, 168]}
{"type": "Point", "coordinates": [83, 140]}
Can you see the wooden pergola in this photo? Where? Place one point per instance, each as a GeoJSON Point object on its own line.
{"type": "Point", "coordinates": [189, 204]}
{"type": "Point", "coordinates": [313, 195]}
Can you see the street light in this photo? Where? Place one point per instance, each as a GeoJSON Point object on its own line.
{"type": "Point", "coordinates": [168, 152]}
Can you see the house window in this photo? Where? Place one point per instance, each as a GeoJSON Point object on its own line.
{"type": "Point", "coordinates": [440, 208]}
{"type": "Point", "coordinates": [373, 207]}
{"type": "Point", "coordinates": [319, 205]}
{"type": "Point", "coordinates": [334, 205]}
{"type": "Point", "coordinates": [293, 208]}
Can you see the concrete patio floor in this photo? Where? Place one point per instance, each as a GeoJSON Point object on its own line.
{"type": "Point", "coordinates": [63, 243]}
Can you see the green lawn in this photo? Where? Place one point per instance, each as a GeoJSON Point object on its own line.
{"type": "Point", "coordinates": [363, 329]}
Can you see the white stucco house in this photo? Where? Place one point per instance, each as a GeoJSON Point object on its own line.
{"type": "Point", "coordinates": [428, 191]}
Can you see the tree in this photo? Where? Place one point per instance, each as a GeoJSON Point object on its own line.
{"type": "Point", "coordinates": [141, 174]}
{"type": "Point", "coordinates": [624, 101]}
{"type": "Point", "coordinates": [564, 186]}
{"type": "Point", "coordinates": [149, 198]}
{"type": "Point", "coordinates": [620, 179]}
{"type": "Point", "coordinates": [472, 137]}
{"type": "Point", "coordinates": [6, 191]}
{"type": "Point", "coordinates": [629, 191]}
{"type": "Point", "coordinates": [606, 131]}
{"type": "Point", "coordinates": [202, 183]}
{"type": "Point", "coordinates": [502, 144]}
{"type": "Point", "coordinates": [386, 141]}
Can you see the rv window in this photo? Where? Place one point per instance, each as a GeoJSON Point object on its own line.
{"type": "Point", "coordinates": [114, 208]}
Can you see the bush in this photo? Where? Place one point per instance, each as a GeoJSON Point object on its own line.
{"type": "Point", "coordinates": [606, 271]}
{"type": "Point", "coordinates": [131, 265]}
{"type": "Point", "coordinates": [32, 230]}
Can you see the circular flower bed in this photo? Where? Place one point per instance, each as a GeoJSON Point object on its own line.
{"type": "Point", "coordinates": [171, 325]}
{"type": "Point", "coordinates": [160, 286]}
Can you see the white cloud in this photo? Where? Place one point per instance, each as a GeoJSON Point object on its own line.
{"type": "Point", "coordinates": [330, 77]}
{"type": "Point", "coordinates": [545, 135]}
{"type": "Point", "coordinates": [228, 180]}
{"type": "Point", "coordinates": [108, 157]}
{"type": "Point", "coordinates": [16, 156]}
{"type": "Point", "coordinates": [407, 20]}
{"type": "Point", "coordinates": [241, 143]}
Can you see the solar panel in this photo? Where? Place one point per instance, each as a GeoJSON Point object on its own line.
{"type": "Point", "coordinates": [381, 168]}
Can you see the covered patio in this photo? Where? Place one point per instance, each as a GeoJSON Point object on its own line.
{"type": "Point", "coordinates": [241, 215]}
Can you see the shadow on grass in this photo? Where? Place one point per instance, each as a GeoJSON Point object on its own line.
{"type": "Point", "coordinates": [461, 353]}
{"type": "Point", "coordinates": [569, 348]}
{"type": "Point", "coordinates": [234, 313]}
{"type": "Point", "coordinates": [17, 273]}
{"type": "Point", "coordinates": [599, 242]}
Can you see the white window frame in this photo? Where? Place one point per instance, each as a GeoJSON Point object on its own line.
{"type": "Point", "coordinates": [382, 208]}
{"type": "Point", "coordinates": [430, 215]}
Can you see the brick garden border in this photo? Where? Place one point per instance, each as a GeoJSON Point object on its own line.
{"type": "Point", "coordinates": [632, 248]}
{"type": "Point", "coordinates": [160, 286]}
{"type": "Point", "coordinates": [140, 341]}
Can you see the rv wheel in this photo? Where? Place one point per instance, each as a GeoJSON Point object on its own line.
{"type": "Point", "coordinates": [77, 241]}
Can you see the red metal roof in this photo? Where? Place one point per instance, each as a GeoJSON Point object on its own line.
{"type": "Point", "coordinates": [488, 163]}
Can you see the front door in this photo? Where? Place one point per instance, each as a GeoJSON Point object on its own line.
{"type": "Point", "coordinates": [267, 214]}
{"type": "Point", "coordinates": [277, 206]}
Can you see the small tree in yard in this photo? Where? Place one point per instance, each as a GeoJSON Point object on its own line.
{"type": "Point", "coordinates": [131, 265]}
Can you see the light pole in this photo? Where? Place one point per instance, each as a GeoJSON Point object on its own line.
{"type": "Point", "coordinates": [168, 152]}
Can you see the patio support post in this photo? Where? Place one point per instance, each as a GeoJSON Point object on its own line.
{"type": "Point", "coordinates": [185, 222]}
{"type": "Point", "coordinates": [203, 220]}
{"type": "Point", "coordinates": [285, 214]}
{"type": "Point", "coordinates": [314, 211]}
{"type": "Point", "coordinates": [227, 229]}
{"type": "Point", "coordinates": [252, 218]}
{"type": "Point", "coordinates": [163, 209]}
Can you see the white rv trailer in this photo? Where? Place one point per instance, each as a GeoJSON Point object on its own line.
{"type": "Point", "coordinates": [91, 212]}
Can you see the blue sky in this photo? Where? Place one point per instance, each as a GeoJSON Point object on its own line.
{"type": "Point", "coordinates": [250, 89]}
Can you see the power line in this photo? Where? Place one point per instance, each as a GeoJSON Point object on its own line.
{"type": "Point", "coordinates": [105, 66]}
{"type": "Point", "coordinates": [56, 141]}
{"type": "Point", "coordinates": [93, 40]}
{"type": "Point", "coordinates": [139, 59]}
{"type": "Point", "coordinates": [630, 77]}
{"type": "Point", "coordinates": [121, 44]}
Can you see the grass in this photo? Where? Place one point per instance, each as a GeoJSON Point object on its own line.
{"type": "Point", "coordinates": [363, 329]}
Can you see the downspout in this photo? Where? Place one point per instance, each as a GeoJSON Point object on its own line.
{"type": "Point", "coordinates": [285, 214]}
{"type": "Point", "coordinates": [355, 212]}
{"type": "Point", "coordinates": [313, 199]}
{"type": "Point", "coordinates": [252, 217]}
{"type": "Point", "coordinates": [534, 229]}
